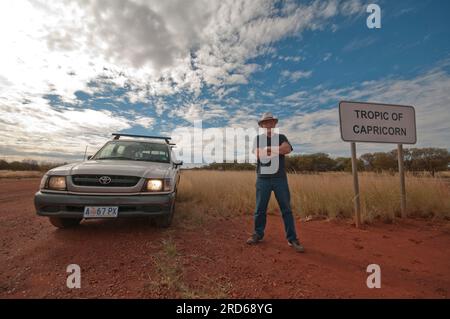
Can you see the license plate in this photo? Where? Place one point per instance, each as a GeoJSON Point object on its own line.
{"type": "Point", "coordinates": [100, 212]}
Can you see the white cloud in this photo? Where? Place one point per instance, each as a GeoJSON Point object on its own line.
{"type": "Point", "coordinates": [359, 43]}
{"type": "Point", "coordinates": [199, 111]}
{"type": "Point", "coordinates": [153, 47]}
{"type": "Point", "coordinates": [351, 7]}
{"type": "Point", "coordinates": [318, 130]}
{"type": "Point", "coordinates": [144, 121]}
{"type": "Point", "coordinates": [290, 58]}
{"type": "Point", "coordinates": [39, 131]}
{"type": "Point", "coordinates": [223, 91]}
{"type": "Point", "coordinates": [36, 130]}
{"type": "Point", "coordinates": [294, 76]}
{"type": "Point", "coordinates": [295, 98]}
{"type": "Point", "coordinates": [327, 56]}
{"type": "Point", "coordinates": [190, 112]}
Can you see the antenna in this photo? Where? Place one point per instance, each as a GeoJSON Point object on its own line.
{"type": "Point", "coordinates": [85, 151]}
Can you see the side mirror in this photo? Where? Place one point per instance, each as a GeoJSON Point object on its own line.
{"type": "Point", "coordinates": [89, 157]}
{"type": "Point", "coordinates": [178, 163]}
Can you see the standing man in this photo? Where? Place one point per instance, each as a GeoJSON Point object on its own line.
{"type": "Point", "coordinates": [270, 149]}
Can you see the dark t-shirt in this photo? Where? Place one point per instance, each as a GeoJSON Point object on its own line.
{"type": "Point", "coordinates": [281, 172]}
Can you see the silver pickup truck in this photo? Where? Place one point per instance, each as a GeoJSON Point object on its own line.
{"type": "Point", "coordinates": [132, 177]}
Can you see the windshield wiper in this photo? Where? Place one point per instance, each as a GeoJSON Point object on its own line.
{"type": "Point", "coordinates": [116, 157]}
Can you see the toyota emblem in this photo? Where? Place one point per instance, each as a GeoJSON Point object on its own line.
{"type": "Point", "coordinates": [104, 180]}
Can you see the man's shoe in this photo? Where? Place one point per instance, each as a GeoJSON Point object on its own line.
{"type": "Point", "coordinates": [297, 246]}
{"type": "Point", "coordinates": [254, 239]}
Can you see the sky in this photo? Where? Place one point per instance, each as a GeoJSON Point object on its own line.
{"type": "Point", "coordinates": [73, 72]}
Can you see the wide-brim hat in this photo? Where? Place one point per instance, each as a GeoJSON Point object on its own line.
{"type": "Point", "coordinates": [267, 117]}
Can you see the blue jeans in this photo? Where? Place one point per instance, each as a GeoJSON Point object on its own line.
{"type": "Point", "coordinates": [264, 187]}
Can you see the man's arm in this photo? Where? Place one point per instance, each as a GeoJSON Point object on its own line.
{"type": "Point", "coordinates": [260, 152]}
{"type": "Point", "coordinates": [284, 149]}
{"type": "Point", "coordinates": [263, 152]}
{"type": "Point", "coordinates": [271, 151]}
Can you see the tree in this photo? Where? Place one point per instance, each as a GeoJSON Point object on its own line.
{"type": "Point", "coordinates": [318, 162]}
{"type": "Point", "coordinates": [27, 165]}
{"type": "Point", "coordinates": [235, 166]}
{"type": "Point", "coordinates": [4, 164]}
{"type": "Point", "coordinates": [429, 159]}
{"type": "Point", "coordinates": [385, 162]}
{"type": "Point", "coordinates": [368, 159]}
{"type": "Point", "coordinates": [380, 161]}
{"type": "Point", "coordinates": [344, 164]}
{"type": "Point", "coordinates": [415, 159]}
{"type": "Point", "coordinates": [322, 162]}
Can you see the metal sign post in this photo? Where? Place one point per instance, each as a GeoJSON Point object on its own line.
{"type": "Point", "coordinates": [356, 199]}
{"type": "Point", "coordinates": [402, 179]}
{"type": "Point", "coordinates": [377, 123]}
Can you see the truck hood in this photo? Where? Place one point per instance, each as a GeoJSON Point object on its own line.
{"type": "Point", "coordinates": [115, 167]}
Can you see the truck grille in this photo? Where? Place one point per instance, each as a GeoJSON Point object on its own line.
{"type": "Point", "coordinates": [95, 180]}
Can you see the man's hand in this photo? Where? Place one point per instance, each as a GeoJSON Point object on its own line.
{"type": "Point", "coordinates": [283, 149]}
{"type": "Point", "coordinates": [271, 151]}
{"type": "Point", "coordinates": [263, 152]}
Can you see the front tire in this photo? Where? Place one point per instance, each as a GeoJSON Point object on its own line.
{"type": "Point", "coordinates": [64, 222]}
{"type": "Point", "coordinates": [166, 220]}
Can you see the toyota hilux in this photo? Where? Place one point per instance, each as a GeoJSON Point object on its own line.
{"type": "Point", "coordinates": [130, 176]}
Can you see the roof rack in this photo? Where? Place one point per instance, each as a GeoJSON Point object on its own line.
{"type": "Point", "coordinates": [166, 138]}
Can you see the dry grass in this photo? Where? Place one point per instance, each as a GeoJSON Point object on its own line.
{"type": "Point", "coordinates": [445, 174]}
{"type": "Point", "coordinates": [204, 194]}
{"type": "Point", "coordinates": [171, 282]}
{"type": "Point", "coordinates": [20, 174]}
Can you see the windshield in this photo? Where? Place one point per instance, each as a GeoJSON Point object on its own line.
{"type": "Point", "coordinates": [134, 151]}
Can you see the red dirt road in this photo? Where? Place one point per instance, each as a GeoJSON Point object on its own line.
{"type": "Point", "coordinates": [131, 259]}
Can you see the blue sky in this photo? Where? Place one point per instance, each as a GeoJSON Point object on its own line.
{"type": "Point", "coordinates": [85, 70]}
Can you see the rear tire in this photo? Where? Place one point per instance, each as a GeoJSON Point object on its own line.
{"type": "Point", "coordinates": [64, 222]}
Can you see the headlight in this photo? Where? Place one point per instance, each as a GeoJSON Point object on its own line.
{"type": "Point", "coordinates": [57, 183]}
{"type": "Point", "coordinates": [158, 185]}
{"type": "Point", "coordinates": [154, 185]}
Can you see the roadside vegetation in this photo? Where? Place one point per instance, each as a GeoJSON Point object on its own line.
{"type": "Point", "coordinates": [321, 186]}
{"type": "Point", "coordinates": [25, 168]}
{"type": "Point", "coordinates": [416, 160]}
{"type": "Point", "coordinates": [170, 279]}
{"type": "Point", "coordinates": [28, 165]}
{"type": "Point", "coordinates": [20, 174]}
{"type": "Point", "coordinates": [205, 193]}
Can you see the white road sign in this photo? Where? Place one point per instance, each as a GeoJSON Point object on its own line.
{"type": "Point", "coordinates": [377, 123]}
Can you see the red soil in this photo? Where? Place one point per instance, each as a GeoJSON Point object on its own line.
{"type": "Point", "coordinates": [121, 258]}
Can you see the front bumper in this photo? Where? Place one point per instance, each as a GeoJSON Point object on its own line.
{"type": "Point", "coordinates": [72, 206]}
